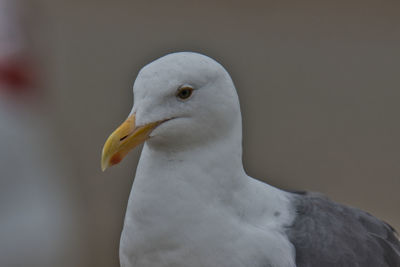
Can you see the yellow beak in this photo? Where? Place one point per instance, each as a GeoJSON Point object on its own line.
{"type": "Point", "coordinates": [124, 139]}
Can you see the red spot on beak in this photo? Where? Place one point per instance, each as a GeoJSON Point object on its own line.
{"type": "Point", "coordinates": [115, 159]}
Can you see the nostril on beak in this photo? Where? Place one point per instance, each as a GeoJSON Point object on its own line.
{"type": "Point", "coordinates": [123, 138]}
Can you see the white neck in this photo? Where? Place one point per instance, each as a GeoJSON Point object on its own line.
{"type": "Point", "coordinates": [176, 194]}
{"type": "Point", "coordinates": [208, 172]}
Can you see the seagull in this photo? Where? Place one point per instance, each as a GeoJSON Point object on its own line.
{"type": "Point", "coordinates": [192, 203]}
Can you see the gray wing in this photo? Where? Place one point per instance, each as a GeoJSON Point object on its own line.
{"type": "Point", "coordinates": [325, 233]}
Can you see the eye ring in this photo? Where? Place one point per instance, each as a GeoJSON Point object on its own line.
{"type": "Point", "coordinates": [184, 92]}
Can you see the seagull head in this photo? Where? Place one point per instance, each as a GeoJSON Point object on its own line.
{"type": "Point", "coordinates": [181, 101]}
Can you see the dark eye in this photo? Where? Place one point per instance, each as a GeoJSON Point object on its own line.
{"type": "Point", "coordinates": [184, 92]}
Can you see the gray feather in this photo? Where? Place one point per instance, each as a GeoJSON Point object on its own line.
{"type": "Point", "coordinates": [325, 233]}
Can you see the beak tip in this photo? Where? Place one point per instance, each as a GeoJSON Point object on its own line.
{"type": "Point", "coordinates": [104, 165]}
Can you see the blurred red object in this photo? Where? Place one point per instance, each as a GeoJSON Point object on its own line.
{"type": "Point", "coordinates": [17, 75]}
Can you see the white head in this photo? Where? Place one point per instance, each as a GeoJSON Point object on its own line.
{"type": "Point", "coordinates": [181, 101]}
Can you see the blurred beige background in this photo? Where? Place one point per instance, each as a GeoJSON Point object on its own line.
{"type": "Point", "coordinates": [319, 85]}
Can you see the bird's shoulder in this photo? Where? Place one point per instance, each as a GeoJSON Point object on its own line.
{"type": "Point", "coordinates": [326, 233]}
